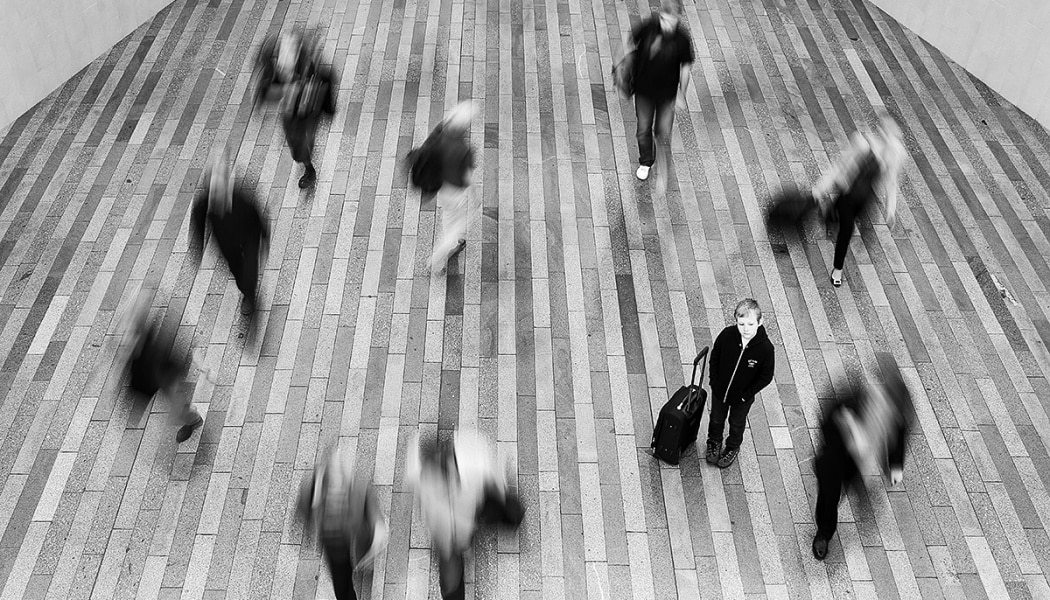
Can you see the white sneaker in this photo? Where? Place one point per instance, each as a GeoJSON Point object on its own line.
{"type": "Point", "coordinates": [642, 172]}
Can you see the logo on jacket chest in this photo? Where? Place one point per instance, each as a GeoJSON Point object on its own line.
{"type": "Point", "coordinates": [751, 363]}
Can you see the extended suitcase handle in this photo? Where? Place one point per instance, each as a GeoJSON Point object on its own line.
{"type": "Point", "coordinates": [692, 378]}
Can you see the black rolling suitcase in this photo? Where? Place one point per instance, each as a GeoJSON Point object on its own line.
{"type": "Point", "coordinates": [679, 419]}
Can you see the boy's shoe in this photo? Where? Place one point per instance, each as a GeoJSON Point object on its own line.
{"type": "Point", "coordinates": [713, 450]}
{"type": "Point", "coordinates": [186, 431]}
{"type": "Point", "coordinates": [247, 306]}
{"type": "Point", "coordinates": [728, 457]}
{"type": "Point", "coordinates": [642, 172]}
{"type": "Point", "coordinates": [820, 547]}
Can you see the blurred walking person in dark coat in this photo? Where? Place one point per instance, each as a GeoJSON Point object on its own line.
{"type": "Point", "coordinates": [305, 102]}
{"type": "Point", "coordinates": [289, 68]}
{"type": "Point", "coordinates": [349, 521]}
{"type": "Point", "coordinates": [663, 58]}
{"type": "Point", "coordinates": [865, 432]}
{"type": "Point", "coordinates": [155, 367]}
{"type": "Point", "coordinates": [240, 228]}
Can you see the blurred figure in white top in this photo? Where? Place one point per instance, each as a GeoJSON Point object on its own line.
{"type": "Point", "coordinates": [457, 170]}
{"type": "Point", "coordinates": [847, 190]}
{"type": "Point", "coordinates": [459, 483]}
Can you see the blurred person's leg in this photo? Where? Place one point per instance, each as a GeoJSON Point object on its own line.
{"type": "Point", "coordinates": [830, 475]}
{"type": "Point", "coordinates": [847, 214]}
{"type": "Point", "coordinates": [299, 134]}
{"type": "Point", "coordinates": [309, 135]}
{"type": "Point", "coordinates": [183, 413]}
{"type": "Point", "coordinates": [645, 111]}
{"type": "Point", "coordinates": [453, 201]}
{"type": "Point", "coordinates": [450, 573]}
{"type": "Point", "coordinates": [341, 566]}
{"type": "Point", "coordinates": [247, 276]}
{"type": "Point", "coordinates": [664, 121]}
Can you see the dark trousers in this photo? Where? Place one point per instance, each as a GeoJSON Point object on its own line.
{"type": "Point", "coordinates": [834, 469]}
{"type": "Point", "coordinates": [849, 208]}
{"type": "Point", "coordinates": [650, 112]}
{"type": "Point", "coordinates": [244, 263]}
{"type": "Point", "coordinates": [341, 565]}
{"type": "Point", "coordinates": [450, 572]}
{"type": "Point", "coordinates": [736, 410]}
{"type": "Point", "coordinates": [300, 134]}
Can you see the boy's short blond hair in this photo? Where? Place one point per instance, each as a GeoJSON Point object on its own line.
{"type": "Point", "coordinates": [748, 305]}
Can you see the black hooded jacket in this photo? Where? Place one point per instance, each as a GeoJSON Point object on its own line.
{"type": "Point", "coordinates": [755, 370]}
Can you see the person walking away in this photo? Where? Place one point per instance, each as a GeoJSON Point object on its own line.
{"type": "Point", "coordinates": [349, 521]}
{"type": "Point", "coordinates": [865, 432]}
{"type": "Point", "coordinates": [742, 363]}
{"type": "Point", "coordinates": [153, 368]}
{"type": "Point", "coordinates": [239, 227]}
{"type": "Point", "coordinates": [847, 190]}
{"type": "Point", "coordinates": [663, 57]}
{"type": "Point", "coordinates": [306, 100]}
{"type": "Point", "coordinates": [452, 145]}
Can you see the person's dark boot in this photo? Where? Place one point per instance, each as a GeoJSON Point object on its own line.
{"type": "Point", "coordinates": [247, 306]}
{"type": "Point", "coordinates": [186, 431]}
{"type": "Point", "coordinates": [308, 178]}
{"type": "Point", "coordinates": [820, 547]}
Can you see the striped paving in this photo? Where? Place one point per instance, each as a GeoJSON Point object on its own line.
{"type": "Point", "coordinates": [574, 311]}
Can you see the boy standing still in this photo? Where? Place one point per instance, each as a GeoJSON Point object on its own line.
{"type": "Point", "coordinates": [742, 361]}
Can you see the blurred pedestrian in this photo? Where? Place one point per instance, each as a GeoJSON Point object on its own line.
{"type": "Point", "coordinates": [846, 191]}
{"type": "Point", "coordinates": [742, 364]}
{"type": "Point", "coordinates": [306, 100]}
{"type": "Point", "coordinates": [459, 484]}
{"type": "Point", "coordinates": [449, 144]}
{"type": "Point", "coordinates": [864, 432]}
{"type": "Point", "coordinates": [349, 521]}
{"type": "Point", "coordinates": [154, 367]}
{"type": "Point", "coordinates": [239, 226]}
{"type": "Point", "coordinates": [663, 56]}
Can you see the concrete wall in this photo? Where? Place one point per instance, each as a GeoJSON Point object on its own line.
{"type": "Point", "coordinates": [45, 42]}
{"type": "Point", "coordinates": [1004, 43]}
